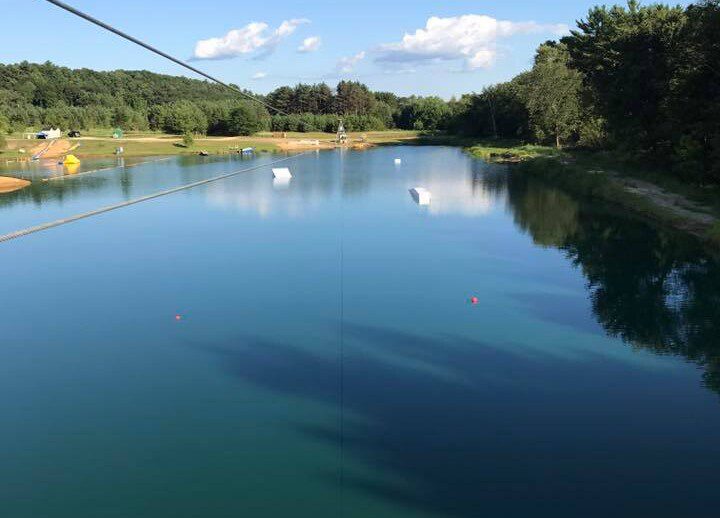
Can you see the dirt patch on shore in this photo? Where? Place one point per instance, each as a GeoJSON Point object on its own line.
{"type": "Point", "coordinates": [690, 216]}
{"type": "Point", "coordinates": [305, 145]}
{"type": "Point", "coordinates": [55, 148]}
{"type": "Point", "coordinates": [9, 184]}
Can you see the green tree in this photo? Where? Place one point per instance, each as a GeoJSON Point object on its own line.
{"type": "Point", "coordinates": [184, 117]}
{"type": "Point", "coordinates": [695, 102]}
{"type": "Point", "coordinates": [424, 113]}
{"type": "Point", "coordinates": [553, 95]}
{"type": "Point", "coordinates": [353, 98]}
{"type": "Point", "coordinates": [4, 127]}
{"type": "Point", "coordinates": [244, 120]}
{"type": "Point", "coordinates": [626, 57]}
{"type": "Point", "coordinates": [499, 111]}
{"type": "Point", "coordinates": [282, 99]}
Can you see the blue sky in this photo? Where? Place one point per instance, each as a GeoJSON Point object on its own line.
{"type": "Point", "coordinates": [468, 45]}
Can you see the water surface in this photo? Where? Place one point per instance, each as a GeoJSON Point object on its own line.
{"type": "Point", "coordinates": [328, 361]}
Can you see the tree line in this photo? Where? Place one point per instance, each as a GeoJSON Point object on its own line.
{"type": "Point", "coordinates": [642, 80]}
{"type": "Point", "coordinates": [34, 95]}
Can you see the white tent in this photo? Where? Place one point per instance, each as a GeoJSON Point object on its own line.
{"type": "Point", "coordinates": [50, 133]}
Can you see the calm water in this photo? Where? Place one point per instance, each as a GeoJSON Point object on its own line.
{"type": "Point", "coordinates": [328, 361]}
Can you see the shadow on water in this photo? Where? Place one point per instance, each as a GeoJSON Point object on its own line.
{"type": "Point", "coordinates": [484, 430]}
{"type": "Point", "coordinates": [656, 289]}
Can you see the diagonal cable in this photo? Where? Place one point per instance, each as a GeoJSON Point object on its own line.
{"type": "Point", "coordinates": [112, 29]}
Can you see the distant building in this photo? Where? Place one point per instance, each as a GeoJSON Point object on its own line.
{"type": "Point", "coordinates": [49, 133]}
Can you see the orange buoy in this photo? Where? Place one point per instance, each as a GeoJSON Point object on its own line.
{"type": "Point", "coordinates": [178, 317]}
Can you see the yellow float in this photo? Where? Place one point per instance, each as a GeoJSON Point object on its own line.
{"type": "Point", "coordinates": [71, 159]}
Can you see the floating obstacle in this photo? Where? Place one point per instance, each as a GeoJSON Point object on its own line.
{"type": "Point", "coordinates": [247, 150]}
{"type": "Point", "coordinates": [421, 195]}
{"type": "Point", "coordinates": [282, 173]}
{"type": "Point", "coordinates": [70, 160]}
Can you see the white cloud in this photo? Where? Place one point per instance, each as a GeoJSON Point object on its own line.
{"type": "Point", "coordinates": [347, 64]}
{"type": "Point", "coordinates": [259, 75]}
{"type": "Point", "coordinates": [253, 38]}
{"type": "Point", "coordinates": [310, 44]}
{"type": "Point", "coordinates": [471, 37]}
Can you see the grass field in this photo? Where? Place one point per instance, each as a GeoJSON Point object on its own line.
{"type": "Point", "coordinates": [168, 145]}
{"type": "Point", "coordinates": [99, 142]}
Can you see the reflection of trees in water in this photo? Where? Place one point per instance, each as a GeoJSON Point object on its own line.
{"type": "Point", "coordinates": [41, 192]}
{"type": "Point", "coordinates": [655, 289]}
{"type": "Point", "coordinates": [549, 215]}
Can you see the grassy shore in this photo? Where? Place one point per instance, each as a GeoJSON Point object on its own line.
{"type": "Point", "coordinates": [507, 153]}
{"type": "Point", "coordinates": [169, 146]}
{"type": "Point", "coordinates": [634, 186]}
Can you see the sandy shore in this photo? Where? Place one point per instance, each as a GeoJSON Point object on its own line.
{"type": "Point", "coordinates": [8, 184]}
{"type": "Point", "coordinates": [55, 148]}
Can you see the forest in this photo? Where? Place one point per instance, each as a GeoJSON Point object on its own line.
{"type": "Point", "coordinates": [640, 80]}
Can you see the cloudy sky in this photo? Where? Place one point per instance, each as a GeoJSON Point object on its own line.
{"type": "Point", "coordinates": [420, 46]}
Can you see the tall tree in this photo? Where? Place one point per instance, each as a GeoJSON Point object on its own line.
{"type": "Point", "coordinates": [695, 103]}
{"type": "Point", "coordinates": [625, 55]}
{"type": "Point", "coordinates": [553, 95]}
{"type": "Point", "coordinates": [282, 99]}
{"type": "Point", "coordinates": [244, 120]}
{"type": "Point", "coordinates": [353, 98]}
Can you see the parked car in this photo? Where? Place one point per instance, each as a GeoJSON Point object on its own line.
{"type": "Point", "coordinates": [73, 134]}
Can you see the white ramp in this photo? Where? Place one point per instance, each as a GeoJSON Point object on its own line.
{"type": "Point", "coordinates": [282, 173]}
{"type": "Point", "coordinates": [421, 195]}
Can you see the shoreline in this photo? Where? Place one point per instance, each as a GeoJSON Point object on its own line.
{"type": "Point", "coordinates": [10, 184]}
{"type": "Point", "coordinates": [589, 175]}
{"type": "Point", "coordinates": [153, 144]}
{"type": "Point", "coordinates": [581, 173]}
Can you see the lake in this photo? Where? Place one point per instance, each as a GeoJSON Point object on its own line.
{"type": "Point", "coordinates": [253, 348]}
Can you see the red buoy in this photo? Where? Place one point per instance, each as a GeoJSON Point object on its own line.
{"type": "Point", "coordinates": [178, 317]}
{"type": "Point", "coordinates": [474, 300]}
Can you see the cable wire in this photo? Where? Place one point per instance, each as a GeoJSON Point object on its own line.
{"type": "Point", "coordinates": [102, 210]}
{"type": "Point", "coordinates": [77, 12]}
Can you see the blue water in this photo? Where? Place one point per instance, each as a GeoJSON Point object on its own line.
{"type": "Point", "coordinates": [327, 360]}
